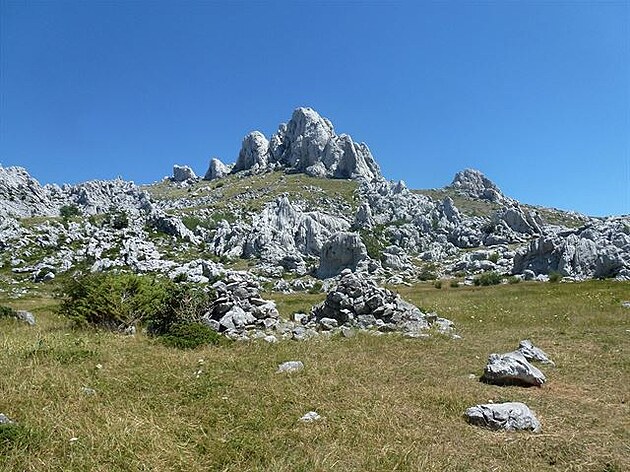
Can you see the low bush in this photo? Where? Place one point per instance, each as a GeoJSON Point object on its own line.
{"type": "Point", "coordinates": [487, 278]}
{"type": "Point", "coordinates": [513, 280]}
{"type": "Point", "coordinates": [116, 301]}
{"type": "Point", "coordinates": [437, 284]}
{"type": "Point", "coordinates": [494, 257]}
{"type": "Point", "coordinates": [6, 312]}
{"type": "Point", "coordinates": [454, 283]}
{"type": "Point", "coordinates": [555, 277]}
{"type": "Point", "coordinates": [191, 336]}
{"type": "Point", "coordinates": [69, 211]}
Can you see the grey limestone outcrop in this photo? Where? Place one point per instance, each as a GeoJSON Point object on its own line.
{"type": "Point", "coordinates": [512, 368]}
{"type": "Point", "coordinates": [307, 144]}
{"type": "Point", "coordinates": [343, 250]}
{"type": "Point", "coordinates": [217, 170]}
{"type": "Point", "coordinates": [510, 416]}
{"type": "Point", "coordinates": [473, 183]}
{"type": "Point", "coordinates": [183, 173]}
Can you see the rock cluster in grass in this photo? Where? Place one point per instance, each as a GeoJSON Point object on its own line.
{"type": "Point", "coordinates": [510, 416]}
{"type": "Point", "coordinates": [357, 302]}
{"type": "Point", "coordinates": [512, 368]}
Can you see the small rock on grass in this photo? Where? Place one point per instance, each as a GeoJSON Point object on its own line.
{"type": "Point", "coordinates": [310, 417]}
{"type": "Point", "coordinates": [4, 419]}
{"type": "Point", "coordinates": [25, 316]}
{"type": "Point", "coordinates": [290, 367]}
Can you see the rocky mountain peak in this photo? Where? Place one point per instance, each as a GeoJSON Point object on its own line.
{"type": "Point", "coordinates": [473, 183]}
{"type": "Point", "coordinates": [307, 144]}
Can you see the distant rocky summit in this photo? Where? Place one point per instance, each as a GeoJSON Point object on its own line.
{"type": "Point", "coordinates": [474, 184]}
{"type": "Point", "coordinates": [306, 144]}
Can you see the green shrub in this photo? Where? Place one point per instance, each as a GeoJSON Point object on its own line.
{"type": "Point", "coordinates": [6, 312]}
{"type": "Point", "coordinates": [115, 301]}
{"type": "Point", "coordinates": [437, 284]}
{"type": "Point", "coordinates": [373, 244]}
{"type": "Point", "coordinates": [316, 288]}
{"type": "Point", "coordinates": [555, 277]}
{"type": "Point", "coordinates": [487, 278]}
{"type": "Point", "coordinates": [69, 211]}
{"type": "Point", "coordinates": [117, 219]}
{"type": "Point", "coordinates": [428, 272]}
{"type": "Point", "coordinates": [513, 280]}
{"type": "Point", "coordinates": [454, 283]}
{"type": "Point", "coordinates": [191, 335]}
{"type": "Point", "coordinates": [494, 257]}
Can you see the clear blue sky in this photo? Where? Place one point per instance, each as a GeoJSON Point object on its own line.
{"type": "Point", "coordinates": [534, 94]}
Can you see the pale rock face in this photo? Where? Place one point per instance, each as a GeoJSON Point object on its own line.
{"type": "Point", "coordinates": [22, 196]}
{"type": "Point", "coordinates": [217, 170]}
{"type": "Point", "coordinates": [600, 249]}
{"type": "Point", "coordinates": [474, 184]}
{"type": "Point", "coordinates": [183, 173]}
{"type": "Point", "coordinates": [342, 251]}
{"type": "Point", "coordinates": [308, 144]}
{"type": "Point", "coordinates": [254, 153]}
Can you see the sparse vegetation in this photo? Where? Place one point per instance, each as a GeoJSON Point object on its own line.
{"type": "Point", "coordinates": [224, 408]}
{"type": "Point", "coordinates": [69, 211]}
{"type": "Point", "coordinates": [555, 277]}
{"type": "Point", "coordinates": [487, 278]}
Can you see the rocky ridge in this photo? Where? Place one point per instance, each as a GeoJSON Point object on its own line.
{"type": "Point", "coordinates": [272, 211]}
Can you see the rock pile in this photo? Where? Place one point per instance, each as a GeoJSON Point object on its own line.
{"type": "Point", "coordinates": [239, 308]}
{"type": "Point", "coordinates": [356, 301]}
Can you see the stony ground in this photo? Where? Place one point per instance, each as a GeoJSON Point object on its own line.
{"type": "Point", "coordinates": [388, 403]}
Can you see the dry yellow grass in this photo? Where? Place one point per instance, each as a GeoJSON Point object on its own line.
{"type": "Point", "coordinates": [389, 403]}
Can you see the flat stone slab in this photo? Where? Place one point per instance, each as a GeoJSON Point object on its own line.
{"type": "Point", "coordinates": [510, 416]}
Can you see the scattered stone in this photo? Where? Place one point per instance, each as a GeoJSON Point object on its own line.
{"type": "Point", "coordinates": [512, 369]}
{"type": "Point", "coordinates": [290, 367]}
{"type": "Point", "coordinates": [510, 416]}
{"type": "Point", "coordinates": [88, 391]}
{"type": "Point", "coordinates": [311, 417]}
{"type": "Point", "coordinates": [533, 353]}
{"type": "Point", "coordinates": [4, 419]}
{"type": "Point", "coordinates": [25, 316]}
{"type": "Point", "coordinates": [625, 304]}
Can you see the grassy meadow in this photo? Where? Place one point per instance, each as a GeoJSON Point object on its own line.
{"type": "Point", "coordinates": [389, 403]}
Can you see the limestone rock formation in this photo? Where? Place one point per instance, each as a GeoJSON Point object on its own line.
{"type": "Point", "coordinates": [600, 249]}
{"type": "Point", "coordinates": [307, 144]}
{"type": "Point", "coordinates": [510, 416]}
{"type": "Point", "coordinates": [342, 251]}
{"type": "Point", "coordinates": [183, 173]}
{"type": "Point", "coordinates": [22, 196]}
{"type": "Point", "coordinates": [254, 153]}
{"type": "Point", "coordinates": [216, 170]}
{"type": "Point", "coordinates": [473, 183]}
